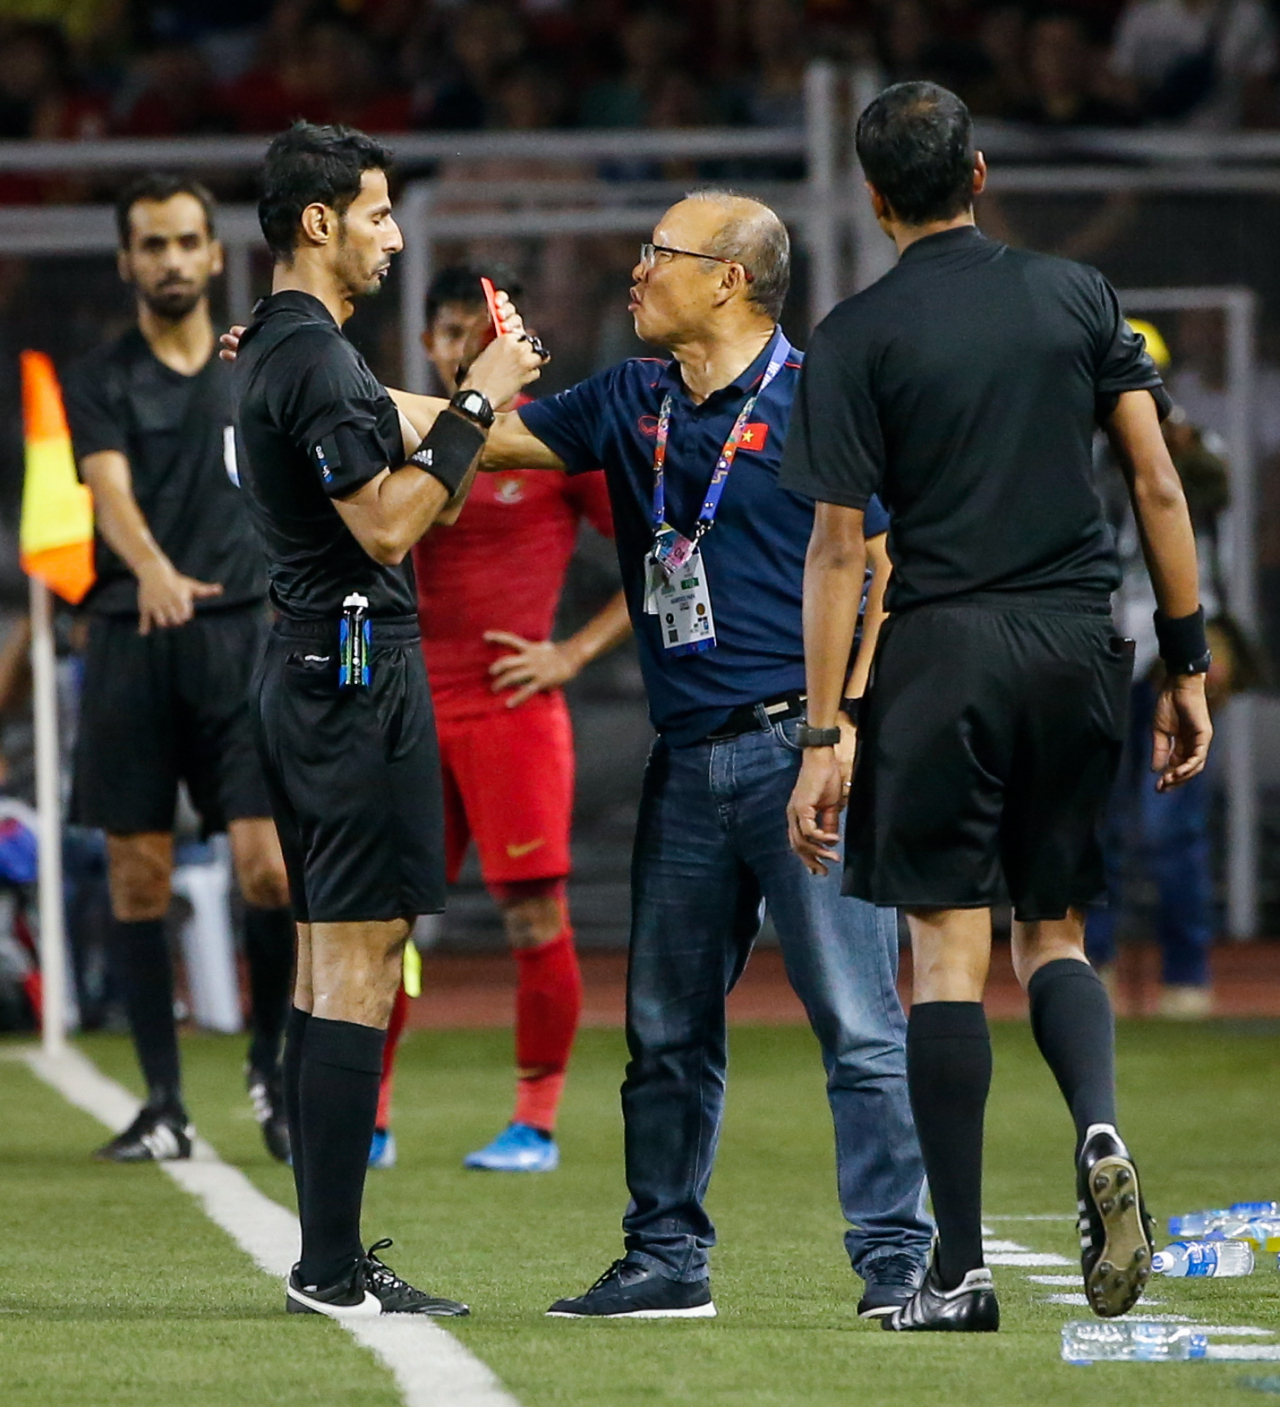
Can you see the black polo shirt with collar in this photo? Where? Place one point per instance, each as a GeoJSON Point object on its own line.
{"type": "Point", "coordinates": [754, 555]}
{"type": "Point", "coordinates": [964, 388]}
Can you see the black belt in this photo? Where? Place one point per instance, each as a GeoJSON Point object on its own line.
{"type": "Point", "coordinates": [746, 717]}
{"type": "Point", "coordinates": [387, 630]}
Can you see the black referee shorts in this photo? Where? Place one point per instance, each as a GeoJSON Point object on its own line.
{"type": "Point", "coordinates": [353, 774]}
{"type": "Point", "coordinates": [989, 743]}
{"type": "Point", "coordinates": [167, 707]}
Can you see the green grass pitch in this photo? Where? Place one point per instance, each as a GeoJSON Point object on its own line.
{"type": "Point", "coordinates": [114, 1289]}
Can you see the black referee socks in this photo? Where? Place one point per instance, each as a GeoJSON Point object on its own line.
{"type": "Point", "coordinates": [337, 1106]}
{"type": "Point", "coordinates": [268, 948]}
{"type": "Point", "coordinates": [1072, 1022]}
{"type": "Point", "coordinates": [949, 1075]}
{"type": "Point", "coordinates": [139, 957]}
{"type": "Point", "coordinates": [295, 1031]}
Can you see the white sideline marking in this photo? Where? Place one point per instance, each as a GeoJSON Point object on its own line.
{"type": "Point", "coordinates": [1053, 1279]}
{"type": "Point", "coordinates": [1243, 1352]}
{"type": "Point", "coordinates": [1026, 1258]}
{"type": "Point", "coordinates": [430, 1366]}
{"type": "Point", "coordinates": [1035, 1216]}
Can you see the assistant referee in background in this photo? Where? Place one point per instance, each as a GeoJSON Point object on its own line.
{"type": "Point", "coordinates": [964, 387]}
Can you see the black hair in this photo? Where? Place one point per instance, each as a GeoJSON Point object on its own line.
{"type": "Point", "coordinates": [310, 165]}
{"type": "Point", "coordinates": [460, 283]}
{"type": "Point", "coordinates": [915, 143]}
{"type": "Point", "coordinates": [159, 186]}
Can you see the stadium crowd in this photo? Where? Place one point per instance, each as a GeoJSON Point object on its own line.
{"type": "Point", "coordinates": [98, 67]}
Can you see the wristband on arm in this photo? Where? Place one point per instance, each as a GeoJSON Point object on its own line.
{"type": "Point", "coordinates": [448, 448]}
{"type": "Point", "coordinates": [1184, 647]}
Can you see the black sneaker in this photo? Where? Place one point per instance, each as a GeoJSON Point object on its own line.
{"type": "Point", "coordinates": [155, 1136]}
{"type": "Point", "coordinates": [971, 1308]}
{"type": "Point", "coordinates": [267, 1098]}
{"type": "Point", "coordinates": [1115, 1230]}
{"type": "Point", "coordinates": [371, 1288]}
{"type": "Point", "coordinates": [891, 1281]}
{"type": "Point", "coordinates": [630, 1291]}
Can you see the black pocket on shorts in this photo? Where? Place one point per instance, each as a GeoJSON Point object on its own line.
{"type": "Point", "coordinates": [312, 672]}
{"type": "Point", "coordinates": [1116, 684]}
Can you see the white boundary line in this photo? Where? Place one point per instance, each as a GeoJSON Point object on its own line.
{"type": "Point", "coordinates": [430, 1366]}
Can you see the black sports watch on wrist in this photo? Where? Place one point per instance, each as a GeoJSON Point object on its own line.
{"type": "Point", "coordinates": [474, 405]}
{"type": "Point", "coordinates": [851, 708]}
{"type": "Point", "coordinates": [1199, 665]}
{"type": "Point", "coordinates": [817, 737]}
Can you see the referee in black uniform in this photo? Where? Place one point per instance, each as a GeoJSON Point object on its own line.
{"type": "Point", "coordinates": [965, 387]}
{"type": "Point", "coordinates": [175, 619]}
{"type": "Point", "coordinates": [341, 490]}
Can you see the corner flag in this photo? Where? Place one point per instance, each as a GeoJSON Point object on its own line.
{"type": "Point", "coordinates": [56, 535]}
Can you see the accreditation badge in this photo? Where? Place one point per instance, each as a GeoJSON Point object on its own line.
{"type": "Point", "coordinates": [682, 604]}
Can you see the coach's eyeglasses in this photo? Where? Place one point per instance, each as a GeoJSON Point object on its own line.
{"type": "Point", "coordinates": [649, 256]}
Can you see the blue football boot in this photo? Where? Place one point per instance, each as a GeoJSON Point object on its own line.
{"type": "Point", "coordinates": [518, 1148]}
{"type": "Point", "coordinates": [382, 1151]}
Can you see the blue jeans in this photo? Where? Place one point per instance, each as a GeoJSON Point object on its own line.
{"type": "Point", "coordinates": [1164, 835]}
{"type": "Point", "coordinates": [710, 852]}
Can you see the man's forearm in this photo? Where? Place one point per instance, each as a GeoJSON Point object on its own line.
{"type": "Point", "coordinates": [607, 629]}
{"type": "Point", "coordinates": [509, 446]}
{"type": "Point", "coordinates": [1159, 504]}
{"type": "Point", "coordinates": [873, 618]}
{"type": "Point", "coordinates": [835, 565]}
{"type": "Point", "coordinates": [118, 518]}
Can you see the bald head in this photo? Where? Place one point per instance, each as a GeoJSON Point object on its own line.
{"type": "Point", "coordinates": [748, 232]}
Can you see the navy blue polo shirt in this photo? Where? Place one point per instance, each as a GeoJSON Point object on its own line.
{"type": "Point", "coordinates": [753, 556]}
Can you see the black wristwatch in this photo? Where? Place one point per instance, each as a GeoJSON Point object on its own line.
{"type": "Point", "coordinates": [851, 708]}
{"type": "Point", "coordinates": [817, 737]}
{"type": "Point", "coordinates": [1199, 665]}
{"type": "Point", "coordinates": [474, 405]}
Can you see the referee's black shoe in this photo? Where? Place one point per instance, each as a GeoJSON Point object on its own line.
{"type": "Point", "coordinates": [630, 1291]}
{"type": "Point", "coordinates": [1115, 1229]}
{"type": "Point", "coordinates": [157, 1135]}
{"type": "Point", "coordinates": [971, 1308]}
{"type": "Point", "coordinates": [267, 1097]}
{"type": "Point", "coordinates": [891, 1281]}
{"type": "Point", "coordinates": [370, 1289]}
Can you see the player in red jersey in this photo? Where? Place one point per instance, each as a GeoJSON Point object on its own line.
{"type": "Point", "coordinates": [487, 593]}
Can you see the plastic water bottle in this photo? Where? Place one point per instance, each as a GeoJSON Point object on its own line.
{"type": "Point", "coordinates": [1204, 1258]}
{"type": "Point", "coordinates": [1130, 1340]}
{"type": "Point", "coordinates": [1194, 1224]}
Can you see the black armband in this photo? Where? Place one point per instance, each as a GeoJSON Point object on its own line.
{"type": "Point", "coordinates": [448, 448]}
{"type": "Point", "coordinates": [1184, 646]}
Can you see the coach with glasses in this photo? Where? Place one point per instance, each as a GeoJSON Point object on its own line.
{"type": "Point", "coordinates": [712, 556]}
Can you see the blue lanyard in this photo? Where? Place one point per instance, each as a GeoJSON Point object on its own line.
{"type": "Point", "coordinates": [727, 455]}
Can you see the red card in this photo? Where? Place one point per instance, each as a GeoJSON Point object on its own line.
{"type": "Point", "coordinates": [754, 436]}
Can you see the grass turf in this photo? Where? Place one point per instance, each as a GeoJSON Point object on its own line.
{"type": "Point", "coordinates": [118, 1291]}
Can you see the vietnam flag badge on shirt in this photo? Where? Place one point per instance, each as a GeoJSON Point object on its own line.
{"type": "Point", "coordinates": [754, 436]}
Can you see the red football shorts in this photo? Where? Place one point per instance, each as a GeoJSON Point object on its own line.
{"type": "Point", "coordinates": [508, 782]}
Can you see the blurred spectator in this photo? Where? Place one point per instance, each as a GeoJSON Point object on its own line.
{"type": "Point", "coordinates": [176, 96]}
{"type": "Point", "coordinates": [1062, 65]}
{"type": "Point", "coordinates": [38, 95]}
{"type": "Point", "coordinates": [913, 46]}
{"type": "Point", "coordinates": [1000, 87]}
{"type": "Point", "coordinates": [773, 95]}
{"type": "Point", "coordinates": [653, 43]}
{"type": "Point", "coordinates": [225, 33]}
{"type": "Point", "coordinates": [1194, 60]}
{"type": "Point", "coordinates": [329, 73]}
{"type": "Point", "coordinates": [487, 39]}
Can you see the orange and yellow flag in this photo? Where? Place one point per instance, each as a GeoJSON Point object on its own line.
{"type": "Point", "coordinates": [56, 536]}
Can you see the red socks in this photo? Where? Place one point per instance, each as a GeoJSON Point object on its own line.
{"type": "Point", "coordinates": [395, 1030]}
{"type": "Point", "coordinates": [548, 1004]}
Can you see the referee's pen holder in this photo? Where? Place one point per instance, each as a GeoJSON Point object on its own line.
{"type": "Point", "coordinates": [355, 633]}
